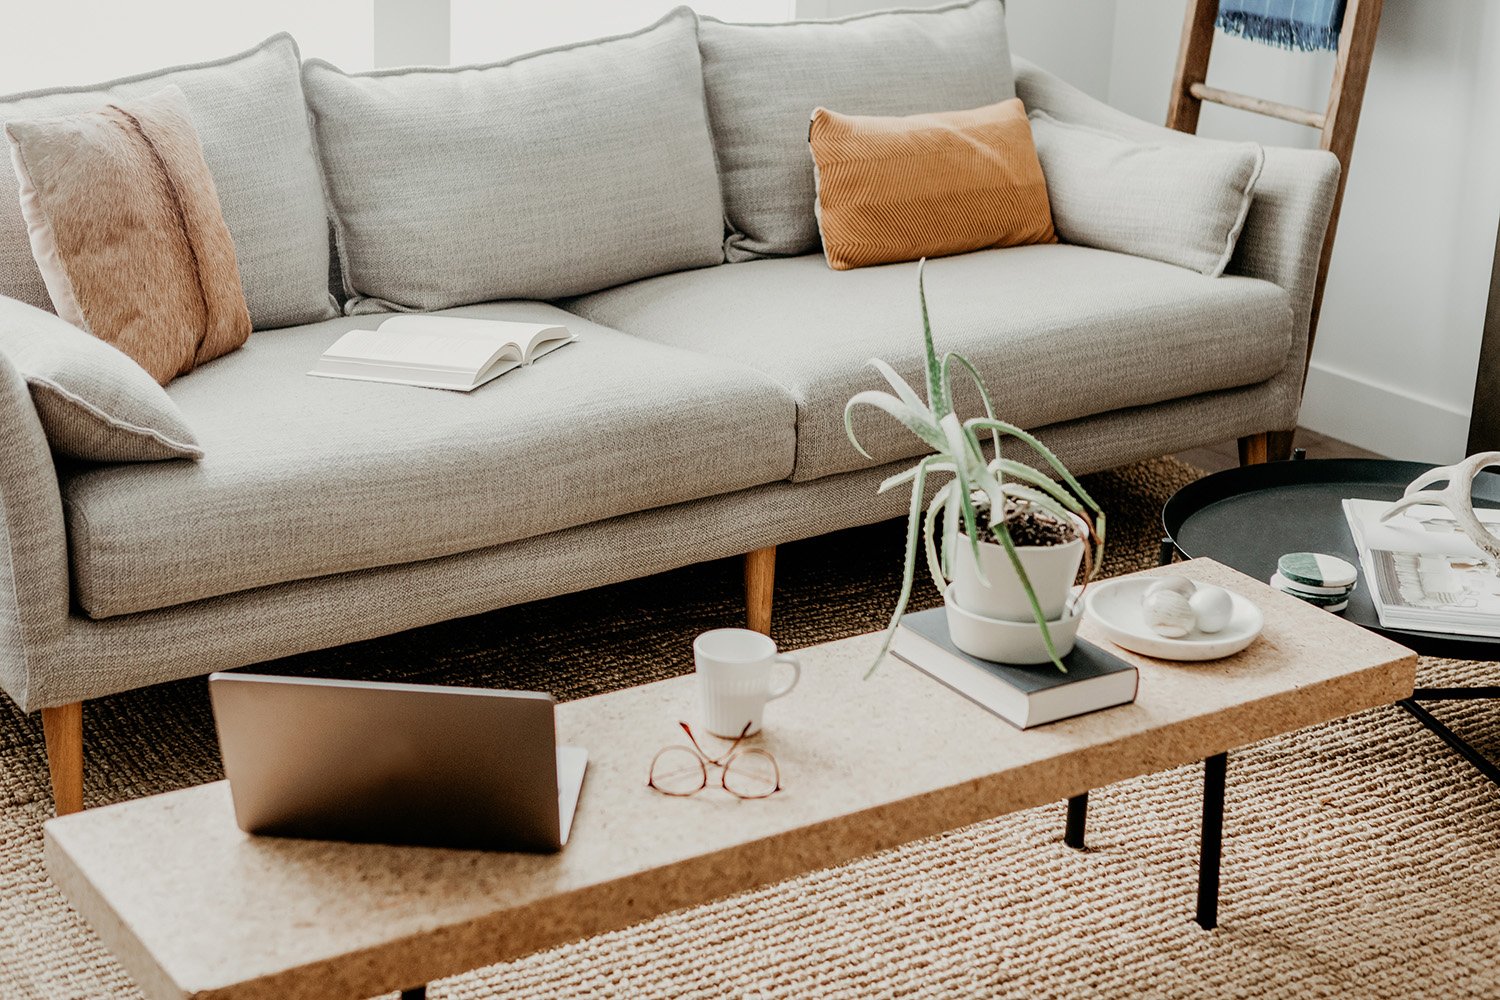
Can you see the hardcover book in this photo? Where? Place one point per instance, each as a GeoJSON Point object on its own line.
{"type": "Point", "coordinates": [1023, 696]}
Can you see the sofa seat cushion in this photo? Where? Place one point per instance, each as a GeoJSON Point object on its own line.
{"type": "Point", "coordinates": [1058, 332]}
{"type": "Point", "coordinates": [304, 477]}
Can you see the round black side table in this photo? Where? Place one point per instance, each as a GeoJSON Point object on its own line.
{"type": "Point", "coordinates": [1247, 517]}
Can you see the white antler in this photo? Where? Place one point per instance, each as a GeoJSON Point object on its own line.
{"type": "Point", "coordinates": [1457, 498]}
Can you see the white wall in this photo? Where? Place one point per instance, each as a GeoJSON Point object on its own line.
{"type": "Point", "coordinates": [487, 31]}
{"type": "Point", "coordinates": [1072, 38]}
{"type": "Point", "coordinates": [50, 43]}
{"type": "Point", "coordinates": [1404, 313]}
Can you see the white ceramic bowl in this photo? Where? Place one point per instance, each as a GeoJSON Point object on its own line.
{"type": "Point", "coordinates": [1116, 606]}
{"type": "Point", "coordinates": [1016, 643]}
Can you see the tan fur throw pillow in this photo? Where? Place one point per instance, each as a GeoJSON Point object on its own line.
{"type": "Point", "coordinates": [125, 226]}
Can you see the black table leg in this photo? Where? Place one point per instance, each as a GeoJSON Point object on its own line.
{"type": "Point", "coordinates": [1460, 745]}
{"type": "Point", "coordinates": [1214, 769]}
{"type": "Point", "coordinates": [415, 993]}
{"type": "Point", "coordinates": [1167, 553]}
{"type": "Point", "coordinates": [1078, 814]}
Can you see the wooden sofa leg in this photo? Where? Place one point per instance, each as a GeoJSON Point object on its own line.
{"type": "Point", "coordinates": [63, 729]}
{"type": "Point", "coordinates": [760, 582]}
{"type": "Point", "coordinates": [1253, 449]}
{"type": "Point", "coordinates": [1269, 446]}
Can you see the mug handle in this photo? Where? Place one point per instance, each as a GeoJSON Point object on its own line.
{"type": "Point", "coordinates": [796, 666]}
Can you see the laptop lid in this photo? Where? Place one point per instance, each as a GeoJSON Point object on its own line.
{"type": "Point", "coordinates": [390, 763]}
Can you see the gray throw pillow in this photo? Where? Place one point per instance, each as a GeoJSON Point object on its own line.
{"type": "Point", "coordinates": [1180, 203]}
{"type": "Point", "coordinates": [552, 174]}
{"type": "Point", "coordinates": [764, 80]}
{"type": "Point", "coordinates": [93, 401]}
{"type": "Point", "coordinates": [252, 121]}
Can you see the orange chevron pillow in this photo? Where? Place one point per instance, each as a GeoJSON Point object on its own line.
{"type": "Point", "coordinates": [929, 185]}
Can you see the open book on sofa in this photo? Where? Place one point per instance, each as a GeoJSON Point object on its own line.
{"type": "Point", "coordinates": [439, 352]}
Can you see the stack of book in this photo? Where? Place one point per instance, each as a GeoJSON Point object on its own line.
{"type": "Point", "coordinates": [1023, 696]}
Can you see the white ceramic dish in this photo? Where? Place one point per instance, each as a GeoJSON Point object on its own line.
{"type": "Point", "coordinates": [1116, 606]}
{"type": "Point", "coordinates": [1016, 643]}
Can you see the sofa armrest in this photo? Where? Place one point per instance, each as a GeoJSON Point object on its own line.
{"type": "Point", "coordinates": [33, 543]}
{"type": "Point", "coordinates": [1283, 233]}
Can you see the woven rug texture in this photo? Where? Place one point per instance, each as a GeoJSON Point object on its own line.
{"type": "Point", "coordinates": [1359, 857]}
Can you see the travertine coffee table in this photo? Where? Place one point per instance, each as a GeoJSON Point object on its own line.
{"type": "Point", "coordinates": [195, 908]}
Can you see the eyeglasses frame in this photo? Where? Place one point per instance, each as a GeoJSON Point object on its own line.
{"type": "Point", "coordinates": [722, 762]}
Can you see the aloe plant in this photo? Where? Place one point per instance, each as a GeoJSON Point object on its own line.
{"type": "Point", "coordinates": [1003, 485]}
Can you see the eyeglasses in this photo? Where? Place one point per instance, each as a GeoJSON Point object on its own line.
{"type": "Point", "coordinates": [748, 773]}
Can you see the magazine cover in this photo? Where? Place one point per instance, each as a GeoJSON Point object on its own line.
{"type": "Point", "coordinates": [1423, 572]}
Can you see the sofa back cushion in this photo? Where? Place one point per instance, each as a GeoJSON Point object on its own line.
{"type": "Point", "coordinates": [252, 121]}
{"type": "Point", "coordinates": [551, 174]}
{"type": "Point", "coordinates": [764, 80]}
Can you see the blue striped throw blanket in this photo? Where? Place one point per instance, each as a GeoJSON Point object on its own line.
{"type": "Point", "coordinates": [1291, 24]}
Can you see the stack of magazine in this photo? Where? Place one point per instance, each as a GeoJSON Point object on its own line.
{"type": "Point", "coordinates": [1422, 572]}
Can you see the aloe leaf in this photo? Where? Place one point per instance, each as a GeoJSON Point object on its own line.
{"type": "Point", "coordinates": [950, 530]}
{"type": "Point", "coordinates": [960, 443]}
{"type": "Point", "coordinates": [935, 463]}
{"type": "Point", "coordinates": [891, 482]}
{"type": "Point", "coordinates": [984, 393]}
{"type": "Point", "coordinates": [937, 399]}
{"type": "Point", "coordinates": [918, 423]}
{"type": "Point", "coordinates": [1042, 481]}
{"type": "Point", "coordinates": [902, 388]}
{"type": "Point", "coordinates": [909, 566]}
{"type": "Point", "coordinates": [934, 563]}
{"type": "Point", "coordinates": [971, 525]}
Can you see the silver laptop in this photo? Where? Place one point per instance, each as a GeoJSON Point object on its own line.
{"type": "Point", "coordinates": [396, 763]}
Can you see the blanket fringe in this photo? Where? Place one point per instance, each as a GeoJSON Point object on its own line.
{"type": "Point", "coordinates": [1279, 31]}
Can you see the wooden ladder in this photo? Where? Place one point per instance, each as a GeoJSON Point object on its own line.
{"type": "Point", "coordinates": [1336, 123]}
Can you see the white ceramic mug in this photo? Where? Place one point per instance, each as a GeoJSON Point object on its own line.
{"type": "Point", "coordinates": [734, 678]}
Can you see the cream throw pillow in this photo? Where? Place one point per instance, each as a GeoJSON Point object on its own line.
{"type": "Point", "coordinates": [1181, 204]}
{"type": "Point", "coordinates": [94, 403]}
{"type": "Point", "coordinates": [125, 226]}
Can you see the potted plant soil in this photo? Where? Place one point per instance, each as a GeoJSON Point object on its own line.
{"type": "Point", "coordinates": [1006, 579]}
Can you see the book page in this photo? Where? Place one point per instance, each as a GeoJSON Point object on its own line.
{"type": "Point", "coordinates": [544, 338]}
{"type": "Point", "coordinates": [525, 337]}
{"type": "Point", "coordinates": [446, 351]}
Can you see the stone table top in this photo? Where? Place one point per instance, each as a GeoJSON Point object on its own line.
{"type": "Point", "coordinates": [193, 907]}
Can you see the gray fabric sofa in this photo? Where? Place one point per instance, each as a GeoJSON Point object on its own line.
{"type": "Point", "coordinates": [699, 417]}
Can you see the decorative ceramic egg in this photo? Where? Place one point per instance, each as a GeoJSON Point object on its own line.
{"type": "Point", "coordinates": [1212, 607]}
{"type": "Point", "coordinates": [1177, 584]}
{"type": "Point", "coordinates": [1167, 613]}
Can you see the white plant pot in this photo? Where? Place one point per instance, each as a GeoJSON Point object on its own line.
{"type": "Point", "coordinates": [1050, 568]}
{"type": "Point", "coordinates": [1016, 643]}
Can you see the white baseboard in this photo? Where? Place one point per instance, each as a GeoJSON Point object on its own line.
{"type": "Point", "coordinates": [1382, 418]}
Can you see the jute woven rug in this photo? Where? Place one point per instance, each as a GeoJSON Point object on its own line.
{"type": "Point", "coordinates": [1360, 857]}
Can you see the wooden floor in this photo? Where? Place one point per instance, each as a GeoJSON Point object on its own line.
{"type": "Point", "coordinates": [1217, 457]}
